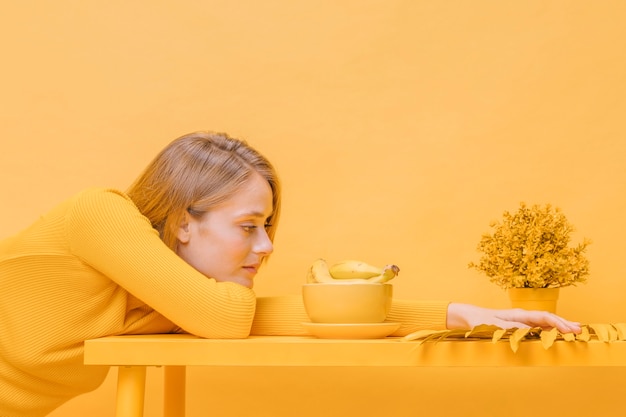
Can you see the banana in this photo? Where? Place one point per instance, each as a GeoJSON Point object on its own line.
{"type": "Point", "coordinates": [349, 269]}
{"type": "Point", "coordinates": [310, 279]}
{"type": "Point", "coordinates": [320, 272]}
{"type": "Point", "coordinates": [389, 273]}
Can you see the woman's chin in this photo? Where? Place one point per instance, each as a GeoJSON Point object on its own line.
{"type": "Point", "coordinates": [246, 282]}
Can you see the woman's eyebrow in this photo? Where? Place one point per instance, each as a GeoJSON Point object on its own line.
{"type": "Point", "coordinates": [253, 213]}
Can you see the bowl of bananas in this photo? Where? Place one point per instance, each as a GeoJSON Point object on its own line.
{"type": "Point", "coordinates": [348, 292]}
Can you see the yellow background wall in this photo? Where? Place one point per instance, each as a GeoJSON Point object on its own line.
{"type": "Point", "coordinates": [400, 130]}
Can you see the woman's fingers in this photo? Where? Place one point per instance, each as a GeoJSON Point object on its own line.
{"type": "Point", "coordinates": [542, 319]}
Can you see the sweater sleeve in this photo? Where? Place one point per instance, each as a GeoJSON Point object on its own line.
{"type": "Point", "coordinates": [283, 315]}
{"type": "Point", "coordinates": [107, 232]}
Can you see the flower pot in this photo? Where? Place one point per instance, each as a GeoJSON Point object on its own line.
{"type": "Point", "coordinates": [534, 298]}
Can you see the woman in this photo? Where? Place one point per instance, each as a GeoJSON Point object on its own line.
{"type": "Point", "coordinates": [177, 252]}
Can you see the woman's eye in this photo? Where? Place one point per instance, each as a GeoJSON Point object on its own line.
{"type": "Point", "coordinates": [249, 228]}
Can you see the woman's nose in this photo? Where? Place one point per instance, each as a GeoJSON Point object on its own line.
{"type": "Point", "coordinates": [264, 245]}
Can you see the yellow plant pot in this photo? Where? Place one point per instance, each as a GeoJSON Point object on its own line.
{"type": "Point", "coordinates": [534, 298]}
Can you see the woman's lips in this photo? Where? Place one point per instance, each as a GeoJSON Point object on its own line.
{"type": "Point", "coordinates": [252, 269]}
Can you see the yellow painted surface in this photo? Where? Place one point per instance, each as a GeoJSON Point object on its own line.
{"type": "Point", "coordinates": [400, 130]}
{"type": "Point", "coordinates": [175, 350]}
{"type": "Point", "coordinates": [339, 357]}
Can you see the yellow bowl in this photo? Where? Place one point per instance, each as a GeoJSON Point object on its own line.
{"type": "Point", "coordinates": [347, 303]}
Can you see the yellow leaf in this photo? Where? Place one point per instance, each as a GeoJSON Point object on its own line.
{"type": "Point", "coordinates": [601, 331]}
{"type": "Point", "coordinates": [497, 335]}
{"type": "Point", "coordinates": [438, 336]}
{"type": "Point", "coordinates": [548, 337]}
{"type": "Point", "coordinates": [584, 334]}
{"type": "Point", "coordinates": [517, 336]}
{"type": "Point", "coordinates": [458, 333]}
{"type": "Point", "coordinates": [420, 334]}
{"type": "Point", "coordinates": [621, 330]}
{"type": "Point", "coordinates": [569, 337]}
{"type": "Point", "coordinates": [482, 331]}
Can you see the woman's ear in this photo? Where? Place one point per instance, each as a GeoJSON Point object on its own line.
{"type": "Point", "coordinates": [184, 234]}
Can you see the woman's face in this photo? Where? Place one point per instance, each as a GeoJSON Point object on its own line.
{"type": "Point", "coordinates": [230, 241]}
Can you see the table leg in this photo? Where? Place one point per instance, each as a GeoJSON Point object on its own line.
{"type": "Point", "coordinates": [131, 383]}
{"type": "Point", "coordinates": [174, 391]}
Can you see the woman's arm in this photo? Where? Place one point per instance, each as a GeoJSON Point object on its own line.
{"type": "Point", "coordinates": [466, 316]}
{"type": "Point", "coordinates": [282, 315]}
{"type": "Point", "coordinates": [107, 232]}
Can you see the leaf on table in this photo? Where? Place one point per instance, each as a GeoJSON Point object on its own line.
{"type": "Point", "coordinates": [483, 331]}
{"type": "Point", "coordinates": [421, 334]}
{"type": "Point", "coordinates": [436, 337]}
{"type": "Point", "coordinates": [584, 335]}
{"type": "Point", "coordinates": [458, 333]}
{"type": "Point", "coordinates": [601, 331]}
{"type": "Point", "coordinates": [569, 337]}
{"type": "Point", "coordinates": [517, 336]}
{"type": "Point", "coordinates": [548, 337]}
{"type": "Point", "coordinates": [498, 334]}
{"type": "Point", "coordinates": [621, 330]}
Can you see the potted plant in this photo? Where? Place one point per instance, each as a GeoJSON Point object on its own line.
{"type": "Point", "coordinates": [528, 254]}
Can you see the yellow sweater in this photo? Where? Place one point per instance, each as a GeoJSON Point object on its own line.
{"type": "Point", "coordinates": [93, 267]}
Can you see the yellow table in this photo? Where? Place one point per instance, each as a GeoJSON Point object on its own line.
{"type": "Point", "coordinates": [132, 354]}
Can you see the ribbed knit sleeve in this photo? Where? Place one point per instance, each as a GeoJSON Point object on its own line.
{"type": "Point", "coordinates": [107, 232]}
{"type": "Point", "coordinates": [279, 316]}
{"type": "Point", "coordinates": [418, 315]}
{"type": "Point", "coordinates": [283, 315]}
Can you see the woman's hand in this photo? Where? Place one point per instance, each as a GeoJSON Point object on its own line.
{"type": "Point", "coordinates": [467, 316]}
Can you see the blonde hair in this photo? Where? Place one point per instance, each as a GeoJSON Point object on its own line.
{"type": "Point", "coordinates": [194, 173]}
